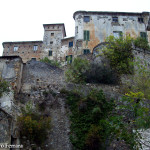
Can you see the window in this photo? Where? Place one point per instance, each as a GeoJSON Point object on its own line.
{"type": "Point", "coordinates": [35, 47]}
{"type": "Point", "coordinates": [86, 35]}
{"type": "Point", "coordinates": [69, 59]}
{"type": "Point", "coordinates": [140, 20]}
{"type": "Point", "coordinates": [8, 49]}
{"type": "Point", "coordinates": [15, 48]}
{"type": "Point", "coordinates": [114, 19]}
{"type": "Point", "coordinates": [34, 59]}
{"type": "Point", "coordinates": [51, 42]}
{"type": "Point", "coordinates": [50, 53]}
{"type": "Point", "coordinates": [52, 34]}
{"type": "Point", "coordinates": [71, 44]}
{"type": "Point", "coordinates": [86, 51]}
{"type": "Point", "coordinates": [86, 18]}
{"type": "Point", "coordinates": [143, 35]}
{"type": "Point", "coordinates": [117, 34]}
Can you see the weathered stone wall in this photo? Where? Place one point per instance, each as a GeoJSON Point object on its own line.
{"type": "Point", "coordinates": [25, 50]}
{"type": "Point", "coordinates": [5, 127]}
{"type": "Point", "coordinates": [11, 70]}
{"type": "Point", "coordinates": [41, 84]}
{"type": "Point", "coordinates": [53, 34]}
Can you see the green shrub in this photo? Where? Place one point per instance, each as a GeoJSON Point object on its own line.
{"type": "Point", "coordinates": [96, 122]}
{"type": "Point", "coordinates": [51, 62]}
{"type": "Point", "coordinates": [33, 125]}
{"type": "Point", "coordinates": [76, 71]}
{"type": "Point", "coordinates": [4, 87]}
{"type": "Point", "coordinates": [119, 53]}
{"type": "Point", "coordinates": [141, 43]}
{"type": "Point", "coordinates": [101, 73]}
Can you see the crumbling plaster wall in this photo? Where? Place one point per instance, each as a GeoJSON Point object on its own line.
{"type": "Point", "coordinates": [101, 26]}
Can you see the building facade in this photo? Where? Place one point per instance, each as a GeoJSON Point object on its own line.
{"type": "Point", "coordinates": [91, 29]}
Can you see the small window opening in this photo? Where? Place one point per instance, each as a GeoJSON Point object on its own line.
{"type": "Point", "coordinates": [86, 51]}
{"type": "Point", "coordinates": [69, 59]}
{"type": "Point", "coordinates": [35, 47]}
{"type": "Point", "coordinates": [50, 53]}
{"type": "Point", "coordinates": [114, 19]}
{"type": "Point", "coordinates": [15, 48]}
{"type": "Point", "coordinates": [52, 34]}
{"type": "Point", "coordinates": [140, 20]}
{"type": "Point", "coordinates": [86, 18]}
{"type": "Point", "coordinates": [71, 44]}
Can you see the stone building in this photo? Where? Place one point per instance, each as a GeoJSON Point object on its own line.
{"type": "Point", "coordinates": [91, 29]}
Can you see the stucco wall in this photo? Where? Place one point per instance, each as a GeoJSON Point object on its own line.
{"type": "Point", "coordinates": [101, 26]}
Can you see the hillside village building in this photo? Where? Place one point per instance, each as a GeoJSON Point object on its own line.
{"type": "Point", "coordinates": [91, 29]}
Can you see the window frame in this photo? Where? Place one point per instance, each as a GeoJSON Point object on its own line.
{"type": "Point", "coordinates": [140, 20]}
{"type": "Point", "coordinates": [35, 47]}
{"type": "Point", "coordinates": [86, 18]}
{"type": "Point", "coordinates": [71, 44]}
{"type": "Point", "coordinates": [50, 53]}
{"type": "Point", "coordinates": [115, 19]}
{"type": "Point", "coordinates": [86, 51]}
{"type": "Point", "coordinates": [86, 35]}
{"type": "Point", "coordinates": [143, 33]}
{"type": "Point", "coordinates": [52, 34]}
{"type": "Point", "coordinates": [67, 57]}
{"type": "Point", "coordinates": [119, 33]}
{"type": "Point", "coordinates": [16, 48]}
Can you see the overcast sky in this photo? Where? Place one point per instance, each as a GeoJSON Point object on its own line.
{"type": "Point", "coordinates": [22, 20]}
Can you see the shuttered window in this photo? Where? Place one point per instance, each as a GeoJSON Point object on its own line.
{"type": "Point", "coordinates": [69, 59]}
{"type": "Point", "coordinates": [143, 35]}
{"type": "Point", "coordinates": [50, 53]}
{"type": "Point", "coordinates": [86, 51]}
{"type": "Point", "coordinates": [86, 35]}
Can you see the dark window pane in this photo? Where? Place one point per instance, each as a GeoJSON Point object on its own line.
{"type": "Point", "coordinates": [86, 18]}
{"type": "Point", "coordinates": [114, 19]}
{"type": "Point", "coordinates": [50, 53]}
{"type": "Point", "coordinates": [70, 44]}
{"type": "Point", "coordinates": [86, 51]}
{"type": "Point", "coordinates": [143, 35]}
{"type": "Point", "coordinates": [141, 20]}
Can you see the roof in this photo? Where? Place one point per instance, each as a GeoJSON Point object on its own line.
{"type": "Point", "coordinates": [15, 56]}
{"type": "Point", "coordinates": [53, 24]}
{"type": "Point", "coordinates": [68, 38]}
{"type": "Point", "coordinates": [109, 13]}
{"type": "Point", "coordinates": [19, 42]}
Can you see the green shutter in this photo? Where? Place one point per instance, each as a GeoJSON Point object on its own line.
{"type": "Point", "coordinates": [88, 35]}
{"type": "Point", "coordinates": [143, 35]}
{"type": "Point", "coordinates": [84, 35]}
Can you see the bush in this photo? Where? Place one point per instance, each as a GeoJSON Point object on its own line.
{"type": "Point", "coordinates": [99, 73]}
{"type": "Point", "coordinates": [119, 53]}
{"type": "Point", "coordinates": [4, 87]}
{"type": "Point", "coordinates": [141, 43]}
{"type": "Point", "coordinates": [77, 70]}
{"type": "Point", "coordinates": [33, 125]}
{"type": "Point", "coordinates": [51, 62]}
{"type": "Point", "coordinates": [97, 122]}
